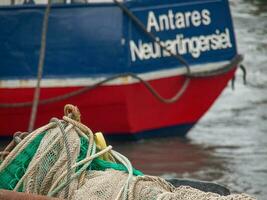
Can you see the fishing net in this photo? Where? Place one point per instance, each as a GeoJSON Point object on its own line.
{"type": "Point", "coordinates": [65, 159]}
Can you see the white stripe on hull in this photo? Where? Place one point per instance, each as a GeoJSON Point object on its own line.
{"type": "Point", "coordinates": [82, 81]}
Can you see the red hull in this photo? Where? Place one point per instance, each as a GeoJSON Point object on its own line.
{"type": "Point", "coordinates": [124, 109]}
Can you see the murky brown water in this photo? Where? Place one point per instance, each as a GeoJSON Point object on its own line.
{"type": "Point", "coordinates": [229, 145]}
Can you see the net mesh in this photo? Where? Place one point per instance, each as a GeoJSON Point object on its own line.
{"type": "Point", "coordinates": [14, 170]}
{"type": "Point", "coordinates": [50, 162]}
{"type": "Point", "coordinates": [40, 164]}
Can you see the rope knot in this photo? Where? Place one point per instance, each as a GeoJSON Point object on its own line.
{"type": "Point", "coordinates": [72, 112]}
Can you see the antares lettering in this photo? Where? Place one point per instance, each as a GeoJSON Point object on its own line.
{"type": "Point", "coordinates": [178, 20]}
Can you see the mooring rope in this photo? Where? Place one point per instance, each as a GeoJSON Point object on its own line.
{"type": "Point", "coordinates": [91, 87]}
{"type": "Point", "coordinates": [40, 68]}
{"type": "Point", "coordinates": [69, 158]}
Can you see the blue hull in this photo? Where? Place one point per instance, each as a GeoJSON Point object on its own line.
{"type": "Point", "coordinates": [178, 131]}
{"type": "Point", "coordinates": [91, 40]}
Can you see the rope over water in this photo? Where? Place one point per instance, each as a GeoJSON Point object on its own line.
{"type": "Point", "coordinates": [233, 63]}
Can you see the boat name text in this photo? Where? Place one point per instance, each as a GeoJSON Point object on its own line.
{"type": "Point", "coordinates": [179, 20]}
{"type": "Point", "coordinates": [179, 44]}
{"type": "Point", "coordinates": [182, 45]}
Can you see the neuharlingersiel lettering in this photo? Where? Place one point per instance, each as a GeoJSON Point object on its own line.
{"type": "Point", "coordinates": [195, 45]}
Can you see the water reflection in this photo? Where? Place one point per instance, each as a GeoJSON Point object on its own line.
{"type": "Point", "coordinates": [168, 157]}
{"type": "Point", "coordinates": [260, 6]}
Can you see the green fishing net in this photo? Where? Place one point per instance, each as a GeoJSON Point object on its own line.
{"type": "Point", "coordinates": [102, 165]}
{"type": "Point", "coordinates": [14, 171]}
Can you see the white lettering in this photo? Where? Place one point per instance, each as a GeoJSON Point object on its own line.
{"type": "Point", "coordinates": [179, 20]}
{"type": "Point", "coordinates": [152, 22]}
{"type": "Point", "coordinates": [194, 46]}
{"type": "Point", "coordinates": [206, 20]}
{"type": "Point", "coordinates": [164, 22]}
{"type": "Point", "coordinates": [196, 18]}
{"type": "Point", "coordinates": [171, 19]}
{"type": "Point", "coordinates": [136, 50]}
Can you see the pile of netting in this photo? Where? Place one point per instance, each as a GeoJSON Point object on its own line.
{"type": "Point", "coordinates": [65, 159]}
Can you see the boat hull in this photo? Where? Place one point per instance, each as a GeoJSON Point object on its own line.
{"type": "Point", "coordinates": [91, 42]}
{"type": "Point", "coordinates": [127, 111]}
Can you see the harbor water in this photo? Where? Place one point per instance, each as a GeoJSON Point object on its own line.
{"type": "Point", "coordinates": [229, 144]}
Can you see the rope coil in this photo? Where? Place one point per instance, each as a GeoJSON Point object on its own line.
{"type": "Point", "coordinates": [69, 175]}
